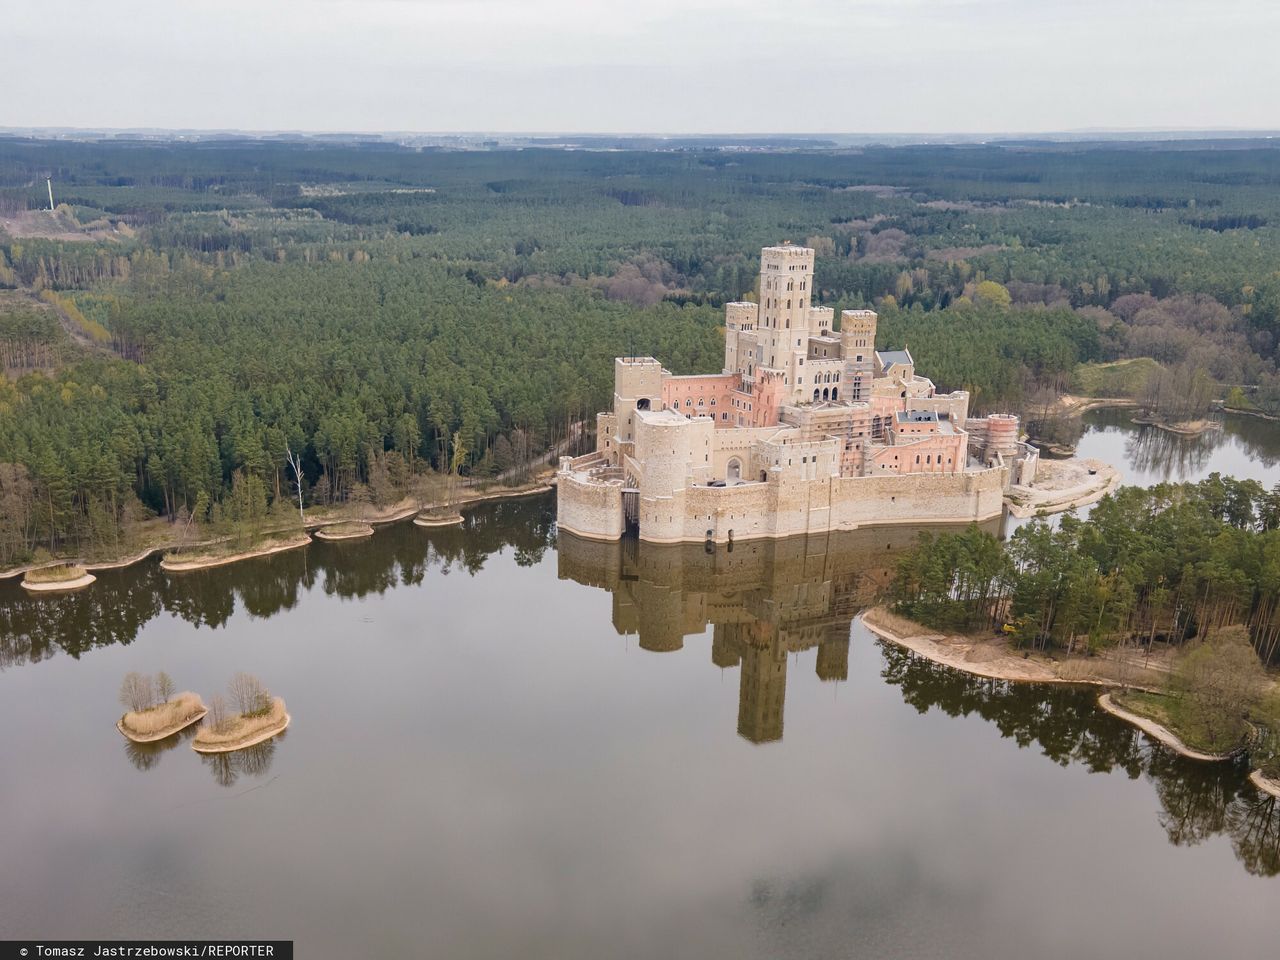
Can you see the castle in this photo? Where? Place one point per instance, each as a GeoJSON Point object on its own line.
{"type": "Point", "coordinates": [806, 429]}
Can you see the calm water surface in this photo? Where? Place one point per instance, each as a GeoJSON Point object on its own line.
{"type": "Point", "coordinates": [508, 746]}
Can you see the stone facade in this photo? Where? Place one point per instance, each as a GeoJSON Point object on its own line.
{"type": "Point", "coordinates": [806, 429]}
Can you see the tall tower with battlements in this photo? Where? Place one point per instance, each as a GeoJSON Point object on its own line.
{"type": "Point", "coordinates": [782, 333]}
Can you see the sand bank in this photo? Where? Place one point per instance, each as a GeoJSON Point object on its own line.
{"type": "Point", "coordinates": [996, 659]}
{"type": "Point", "coordinates": [59, 586]}
{"type": "Point", "coordinates": [1265, 784]}
{"type": "Point", "coordinates": [1184, 428]}
{"type": "Point", "coordinates": [203, 562]}
{"type": "Point", "coordinates": [1157, 731]}
{"type": "Point", "coordinates": [445, 521]}
{"type": "Point", "coordinates": [345, 530]}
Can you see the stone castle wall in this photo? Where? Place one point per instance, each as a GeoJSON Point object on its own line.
{"type": "Point", "coordinates": [588, 509]}
{"type": "Point", "coordinates": [785, 508]}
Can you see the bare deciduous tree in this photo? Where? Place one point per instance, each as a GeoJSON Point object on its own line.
{"type": "Point", "coordinates": [248, 694]}
{"type": "Point", "coordinates": [164, 687]}
{"type": "Point", "coordinates": [295, 462]}
{"type": "Point", "coordinates": [137, 692]}
{"type": "Point", "coordinates": [218, 716]}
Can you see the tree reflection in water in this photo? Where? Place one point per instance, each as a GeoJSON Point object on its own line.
{"type": "Point", "coordinates": [1197, 800]}
{"type": "Point", "coordinates": [255, 761]}
{"type": "Point", "coordinates": [121, 602]}
{"type": "Point", "coordinates": [145, 756]}
{"type": "Point", "coordinates": [765, 600]}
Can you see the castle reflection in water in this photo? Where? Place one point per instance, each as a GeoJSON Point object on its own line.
{"type": "Point", "coordinates": [765, 599]}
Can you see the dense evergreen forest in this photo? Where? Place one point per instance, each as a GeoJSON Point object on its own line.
{"type": "Point", "coordinates": [191, 312]}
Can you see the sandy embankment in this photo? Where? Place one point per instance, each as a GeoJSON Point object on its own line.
{"type": "Point", "coordinates": [244, 732]}
{"type": "Point", "coordinates": [345, 530]}
{"type": "Point", "coordinates": [203, 562]}
{"type": "Point", "coordinates": [1157, 731]}
{"type": "Point", "coordinates": [450, 520]}
{"type": "Point", "coordinates": [996, 659]}
{"type": "Point", "coordinates": [993, 660]}
{"type": "Point", "coordinates": [1184, 428]}
{"type": "Point", "coordinates": [1061, 485]}
{"type": "Point", "coordinates": [1070, 405]}
{"type": "Point", "coordinates": [59, 586]}
{"type": "Point", "coordinates": [1265, 784]}
{"type": "Point", "coordinates": [972, 657]}
{"type": "Point", "coordinates": [57, 578]}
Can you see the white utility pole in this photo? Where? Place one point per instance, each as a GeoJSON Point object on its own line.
{"type": "Point", "coordinates": [49, 183]}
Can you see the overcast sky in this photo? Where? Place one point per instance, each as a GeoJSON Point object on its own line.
{"type": "Point", "coordinates": [642, 65]}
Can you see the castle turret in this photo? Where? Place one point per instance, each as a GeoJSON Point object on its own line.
{"type": "Point", "coordinates": [858, 345]}
{"type": "Point", "coordinates": [739, 336]}
{"type": "Point", "coordinates": [637, 385]}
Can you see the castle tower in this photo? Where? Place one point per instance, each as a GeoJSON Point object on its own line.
{"type": "Point", "coordinates": [637, 385]}
{"type": "Point", "coordinates": [739, 337]}
{"type": "Point", "coordinates": [786, 292]}
{"type": "Point", "coordinates": [858, 345]}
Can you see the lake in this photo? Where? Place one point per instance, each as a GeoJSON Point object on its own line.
{"type": "Point", "coordinates": [511, 744]}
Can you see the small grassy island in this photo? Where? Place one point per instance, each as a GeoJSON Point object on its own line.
{"type": "Point", "coordinates": [253, 717]}
{"type": "Point", "coordinates": [346, 530]}
{"type": "Point", "coordinates": [212, 556]}
{"type": "Point", "coordinates": [154, 712]}
{"type": "Point", "coordinates": [57, 578]}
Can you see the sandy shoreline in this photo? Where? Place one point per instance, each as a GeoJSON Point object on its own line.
{"type": "Point", "coordinates": [954, 653]}
{"type": "Point", "coordinates": [204, 563]}
{"type": "Point", "coordinates": [452, 521]}
{"type": "Point", "coordinates": [258, 736]}
{"type": "Point", "coordinates": [1265, 784]}
{"type": "Point", "coordinates": [1186, 428]}
{"type": "Point", "coordinates": [1158, 731]}
{"type": "Point", "coordinates": [1241, 411]}
{"type": "Point", "coordinates": [398, 512]}
{"type": "Point", "coordinates": [934, 647]}
{"type": "Point", "coordinates": [996, 660]}
{"type": "Point", "coordinates": [153, 737]}
{"type": "Point", "coordinates": [356, 531]}
{"type": "Point", "coordinates": [59, 586]}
